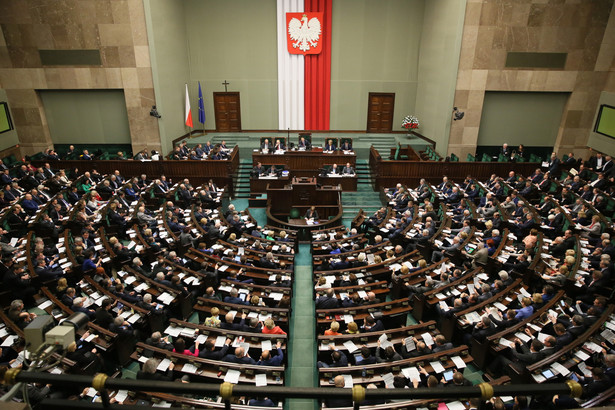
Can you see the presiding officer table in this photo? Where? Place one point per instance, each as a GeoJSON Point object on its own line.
{"type": "Point", "coordinates": [307, 164]}
{"type": "Point", "coordinates": [305, 160]}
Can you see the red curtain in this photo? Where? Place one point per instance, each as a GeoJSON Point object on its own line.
{"type": "Point", "coordinates": [318, 73]}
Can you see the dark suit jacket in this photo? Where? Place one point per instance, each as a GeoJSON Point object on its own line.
{"type": "Point", "coordinates": [325, 302]}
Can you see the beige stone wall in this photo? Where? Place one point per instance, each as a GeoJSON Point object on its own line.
{"type": "Point", "coordinates": [492, 28]}
{"type": "Point", "coordinates": [115, 27]}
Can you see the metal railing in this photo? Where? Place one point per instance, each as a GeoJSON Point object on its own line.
{"type": "Point", "coordinates": [358, 394]}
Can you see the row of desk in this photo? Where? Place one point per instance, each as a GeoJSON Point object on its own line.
{"type": "Point", "coordinates": [259, 185]}
{"type": "Point", "coordinates": [304, 164]}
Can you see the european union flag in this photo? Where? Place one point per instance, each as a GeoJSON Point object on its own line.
{"type": "Point", "coordinates": [201, 106]}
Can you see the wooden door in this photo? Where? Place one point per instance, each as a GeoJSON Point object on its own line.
{"type": "Point", "coordinates": [227, 111]}
{"type": "Point", "coordinates": [380, 112]}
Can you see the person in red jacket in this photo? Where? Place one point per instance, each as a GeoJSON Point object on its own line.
{"type": "Point", "coordinates": [180, 347]}
{"type": "Point", "coordinates": [271, 328]}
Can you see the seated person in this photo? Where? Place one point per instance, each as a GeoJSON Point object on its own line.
{"type": "Point", "coordinates": [311, 213]}
{"type": "Point", "coordinates": [346, 146]}
{"type": "Point", "coordinates": [279, 145]}
{"type": "Point", "coordinates": [348, 169]}
{"type": "Point", "coordinates": [329, 146]}
{"type": "Point", "coordinates": [273, 171]}
{"type": "Point", "coordinates": [304, 144]}
{"type": "Point", "coordinates": [266, 146]}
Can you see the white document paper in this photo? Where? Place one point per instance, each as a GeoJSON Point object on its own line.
{"type": "Point", "coordinates": [350, 346]}
{"type": "Point", "coordinates": [427, 339]}
{"type": "Point", "coordinates": [411, 373]}
{"type": "Point", "coordinates": [232, 376]}
{"type": "Point", "coordinates": [437, 367]}
{"type": "Point", "coordinates": [459, 363]}
{"type": "Point", "coordinates": [164, 365]}
{"type": "Point", "coordinates": [260, 380]}
{"type": "Point", "coordinates": [348, 383]}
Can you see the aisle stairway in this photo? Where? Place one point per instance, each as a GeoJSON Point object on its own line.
{"type": "Point", "coordinates": [241, 180]}
{"type": "Point", "coordinates": [365, 198]}
{"type": "Point", "coordinates": [301, 365]}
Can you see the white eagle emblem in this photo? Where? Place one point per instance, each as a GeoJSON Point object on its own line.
{"type": "Point", "coordinates": [305, 35]}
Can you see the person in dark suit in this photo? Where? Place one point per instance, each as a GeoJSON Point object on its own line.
{"type": "Point", "coordinates": [210, 352]}
{"type": "Point", "coordinates": [305, 144]}
{"type": "Point", "coordinates": [595, 163]}
{"type": "Point", "coordinates": [233, 297]}
{"type": "Point", "coordinates": [553, 166]}
{"type": "Point", "coordinates": [441, 344]}
{"type": "Point", "coordinates": [258, 170]}
{"type": "Point", "coordinates": [240, 356]}
{"type": "Point", "coordinates": [266, 145]}
{"type": "Point", "coordinates": [339, 383]}
{"type": "Point", "coordinates": [522, 356]}
{"type": "Point", "coordinates": [328, 301]}
{"type": "Point", "coordinates": [149, 371]}
{"type": "Point", "coordinates": [348, 169]}
{"type": "Point", "coordinates": [78, 307]}
{"type": "Point", "coordinates": [505, 151]}
{"type": "Point", "coordinates": [346, 146]}
{"type": "Point", "coordinates": [311, 213]}
{"type": "Point", "coordinates": [342, 264]}
{"type": "Point", "coordinates": [229, 322]}
{"type": "Point", "coordinates": [372, 325]}
{"type": "Point", "coordinates": [608, 164]}
{"type": "Point", "coordinates": [279, 145]}
{"type": "Point", "coordinates": [268, 262]}
{"type": "Point", "coordinates": [330, 146]}
{"type": "Point", "coordinates": [104, 318]}
{"type": "Point", "coordinates": [338, 359]}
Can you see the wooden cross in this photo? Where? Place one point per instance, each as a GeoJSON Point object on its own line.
{"type": "Point", "coordinates": [225, 83]}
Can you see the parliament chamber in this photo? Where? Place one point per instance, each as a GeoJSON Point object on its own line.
{"type": "Point", "coordinates": [306, 204]}
{"type": "Point", "coordinates": [499, 278]}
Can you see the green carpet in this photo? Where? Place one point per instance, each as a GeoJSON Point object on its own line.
{"type": "Point", "coordinates": [301, 367]}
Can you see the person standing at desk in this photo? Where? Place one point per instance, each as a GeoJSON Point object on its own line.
{"type": "Point", "coordinates": [346, 146]}
{"type": "Point", "coordinates": [311, 213]}
{"type": "Point", "coordinates": [330, 146]}
{"type": "Point", "coordinates": [348, 170]}
{"type": "Point", "coordinates": [303, 143]}
{"type": "Point", "coordinates": [258, 170]}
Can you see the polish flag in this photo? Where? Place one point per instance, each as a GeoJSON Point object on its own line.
{"type": "Point", "coordinates": [188, 111]}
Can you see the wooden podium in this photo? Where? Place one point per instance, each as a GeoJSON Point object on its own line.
{"type": "Point", "coordinates": [301, 194]}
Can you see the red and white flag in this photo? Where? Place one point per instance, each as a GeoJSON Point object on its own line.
{"type": "Point", "coordinates": [188, 111]}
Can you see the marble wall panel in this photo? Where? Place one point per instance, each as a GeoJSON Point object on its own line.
{"type": "Point", "coordinates": [115, 27]}
{"type": "Point", "coordinates": [585, 30]}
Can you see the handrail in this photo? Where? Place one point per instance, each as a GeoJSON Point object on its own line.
{"type": "Point", "coordinates": [227, 390]}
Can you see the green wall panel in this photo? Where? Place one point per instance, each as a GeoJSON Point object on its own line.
{"type": "Point", "coordinates": [234, 41]}
{"type": "Point", "coordinates": [92, 116]}
{"type": "Point", "coordinates": [375, 48]}
{"type": "Point", "coordinates": [529, 118]}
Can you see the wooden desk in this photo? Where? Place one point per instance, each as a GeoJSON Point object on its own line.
{"type": "Point", "coordinates": [347, 183]}
{"type": "Point", "coordinates": [198, 172]}
{"type": "Point", "coordinates": [304, 160]}
{"type": "Point", "coordinates": [259, 185]}
{"type": "Point", "coordinates": [303, 193]}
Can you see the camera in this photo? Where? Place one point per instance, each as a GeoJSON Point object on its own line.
{"type": "Point", "coordinates": [154, 112]}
